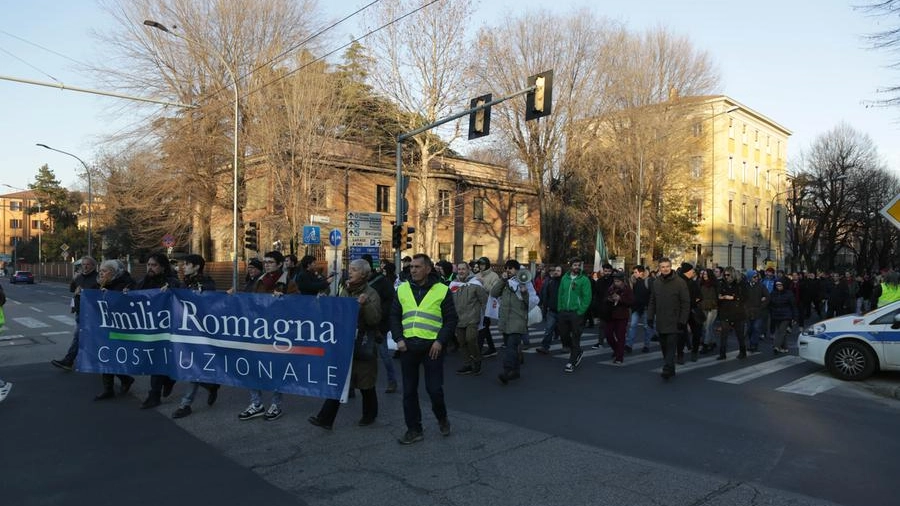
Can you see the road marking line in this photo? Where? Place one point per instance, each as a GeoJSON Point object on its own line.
{"type": "Point", "coordinates": [57, 333]}
{"type": "Point", "coordinates": [635, 359]}
{"type": "Point", "coordinates": [753, 372]}
{"type": "Point", "coordinates": [37, 309]}
{"type": "Point", "coordinates": [812, 384]}
{"type": "Point", "coordinates": [62, 318]}
{"type": "Point", "coordinates": [700, 364]}
{"type": "Point", "coordinates": [30, 322]}
{"type": "Point", "coordinates": [10, 337]}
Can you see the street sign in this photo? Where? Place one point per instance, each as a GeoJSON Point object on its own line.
{"type": "Point", "coordinates": [317, 218]}
{"type": "Point", "coordinates": [335, 237]}
{"type": "Point", "coordinates": [168, 240]}
{"type": "Point", "coordinates": [312, 234]}
{"type": "Point", "coordinates": [892, 211]}
{"type": "Point", "coordinates": [64, 247]}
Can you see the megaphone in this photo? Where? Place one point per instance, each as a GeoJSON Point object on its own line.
{"type": "Point", "coordinates": [524, 276]}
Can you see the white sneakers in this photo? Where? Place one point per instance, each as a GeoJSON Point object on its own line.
{"type": "Point", "coordinates": [4, 390]}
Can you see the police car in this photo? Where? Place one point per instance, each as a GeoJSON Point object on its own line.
{"type": "Point", "coordinates": [853, 347]}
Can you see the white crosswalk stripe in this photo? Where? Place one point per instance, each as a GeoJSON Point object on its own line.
{"type": "Point", "coordinates": [755, 371]}
{"type": "Point", "coordinates": [63, 318]}
{"type": "Point", "coordinates": [32, 323]}
{"type": "Point", "coordinates": [811, 384]}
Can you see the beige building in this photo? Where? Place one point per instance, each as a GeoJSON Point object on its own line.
{"type": "Point", "coordinates": [741, 209]}
{"type": "Point", "coordinates": [18, 227]}
{"type": "Point", "coordinates": [477, 209]}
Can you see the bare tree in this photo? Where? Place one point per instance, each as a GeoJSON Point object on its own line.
{"type": "Point", "coordinates": [298, 119]}
{"type": "Point", "coordinates": [886, 40]}
{"type": "Point", "coordinates": [420, 64]}
{"type": "Point", "coordinates": [218, 43]}
{"type": "Point", "coordinates": [833, 184]}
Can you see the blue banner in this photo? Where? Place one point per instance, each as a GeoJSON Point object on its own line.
{"type": "Point", "coordinates": [295, 344]}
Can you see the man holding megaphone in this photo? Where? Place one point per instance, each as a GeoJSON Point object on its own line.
{"type": "Point", "coordinates": [517, 296]}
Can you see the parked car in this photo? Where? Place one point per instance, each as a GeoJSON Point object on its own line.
{"type": "Point", "coordinates": [853, 347]}
{"type": "Point", "coordinates": [22, 277]}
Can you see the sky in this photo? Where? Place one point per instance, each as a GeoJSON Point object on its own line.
{"type": "Point", "coordinates": [803, 63]}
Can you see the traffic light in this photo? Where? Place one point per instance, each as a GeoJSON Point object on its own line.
{"type": "Point", "coordinates": [480, 120]}
{"type": "Point", "coordinates": [407, 237]}
{"type": "Point", "coordinates": [403, 238]}
{"type": "Point", "coordinates": [251, 236]}
{"type": "Point", "coordinates": [396, 239]}
{"type": "Point", "coordinates": [538, 102]}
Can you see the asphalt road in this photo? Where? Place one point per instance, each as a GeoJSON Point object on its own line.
{"type": "Point", "coordinates": [760, 431]}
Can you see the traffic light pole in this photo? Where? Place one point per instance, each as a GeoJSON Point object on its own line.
{"type": "Point", "coordinates": [402, 137]}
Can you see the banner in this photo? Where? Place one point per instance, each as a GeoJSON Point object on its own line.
{"type": "Point", "coordinates": [294, 344]}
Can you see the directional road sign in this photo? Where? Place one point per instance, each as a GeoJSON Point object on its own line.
{"type": "Point", "coordinates": [335, 237]}
{"type": "Point", "coordinates": [892, 211]}
{"type": "Point", "coordinates": [312, 234]}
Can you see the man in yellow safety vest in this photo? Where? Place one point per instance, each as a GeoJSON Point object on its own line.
{"type": "Point", "coordinates": [423, 319]}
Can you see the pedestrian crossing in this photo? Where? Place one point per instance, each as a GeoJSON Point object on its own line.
{"type": "Point", "coordinates": [41, 324]}
{"type": "Point", "coordinates": [809, 385]}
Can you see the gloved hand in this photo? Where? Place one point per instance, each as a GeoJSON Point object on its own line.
{"type": "Point", "coordinates": [682, 327]}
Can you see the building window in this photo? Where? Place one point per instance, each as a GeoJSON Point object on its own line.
{"type": "Point", "coordinates": [520, 254]}
{"type": "Point", "coordinates": [698, 209]}
{"type": "Point", "coordinates": [730, 128]}
{"type": "Point", "coordinates": [478, 209]}
{"type": "Point", "coordinates": [778, 220]}
{"type": "Point", "coordinates": [697, 167]}
{"type": "Point", "coordinates": [743, 172]}
{"type": "Point", "coordinates": [730, 254]}
{"type": "Point", "coordinates": [768, 218]}
{"type": "Point", "coordinates": [15, 205]}
{"type": "Point", "coordinates": [35, 224]}
{"type": "Point", "coordinates": [383, 199]}
{"type": "Point", "coordinates": [743, 257]}
{"type": "Point", "coordinates": [477, 251]}
{"type": "Point", "coordinates": [698, 129]}
{"type": "Point", "coordinates": [444, 253]}
{"type": "Point", "coordinates": [756, 176]}
{"type": "Point", "coordinates": [521, 213]}
{"type": "Point", "coordinates": [743, 214]}
{"type": "Point", "coordinates": [14, 240]}
{"type": "Point", "coordinates": [443, 202]}
{"type": "Point", "coordinates": [744, 133]}
{"type": "Point", "coordinates": [730, 210]}
{"type": "Point", "coordinates": [756, 216]}
{"type": "Point", "coordinates": [768, 177]}
{"type": "Point", "coordinates": [731, 167]}
{"type": "Point", "coordinates": [14, 223]}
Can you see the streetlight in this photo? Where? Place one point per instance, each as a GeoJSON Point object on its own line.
{"type": "Point", "coordinates": [234, 80]}
{"type": "Point", "coordinates": [40, 235]}
{"type": "Point", "coordinates": [87, 170]}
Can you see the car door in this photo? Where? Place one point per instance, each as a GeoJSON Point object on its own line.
{"type": "Point", "coordinates": [886, 330]}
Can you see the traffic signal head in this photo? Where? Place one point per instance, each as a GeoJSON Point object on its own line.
{"type": "Point", "coordinates": [396, 238]}
{"type": "Point", "coordinates": [480, 120]}
{"type": "Point", "coordinates": [407, 237]}
{"type": "Point", "coordinates": [538, 102]}
{"type": "Point", "coordinates": [251, 236]}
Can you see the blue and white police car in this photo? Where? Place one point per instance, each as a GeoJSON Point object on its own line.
{"type": "Point", "coordinates": [853, 347]}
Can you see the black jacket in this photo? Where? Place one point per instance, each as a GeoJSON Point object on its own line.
{"type": "Point", "coordinates": [550, 294]}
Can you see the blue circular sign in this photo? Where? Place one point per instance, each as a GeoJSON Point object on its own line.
{"type": "Point", "coordinates": [334, 237]}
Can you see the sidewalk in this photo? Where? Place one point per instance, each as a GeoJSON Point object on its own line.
{"type": "Point", "coordinates": [61, 448]}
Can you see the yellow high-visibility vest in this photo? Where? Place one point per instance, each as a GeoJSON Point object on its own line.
{"type": "Point", "coordinates": [422, 320]}
{"type": "Point", "coordinates": [889, 293]}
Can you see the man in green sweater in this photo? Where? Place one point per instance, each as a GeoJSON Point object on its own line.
{"type": "Point", "coordinates": [574, 300]}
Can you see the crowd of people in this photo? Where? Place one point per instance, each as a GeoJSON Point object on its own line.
{"type": "Point", "coordinates": [430, 309]}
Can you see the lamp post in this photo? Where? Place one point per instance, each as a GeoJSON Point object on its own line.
{"type": "Point", "coordinates": [234, 211]}
{"type": "Point", "coordinates": [40, 234]}
{"type": "Point", "coordinates": [87, 170]}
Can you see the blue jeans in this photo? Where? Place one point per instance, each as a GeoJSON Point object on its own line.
{"type": "Point", "coordinates": [387, 358]}
{"type": "Point", "coordinates": [256, 397]}
{"type": "Point", "coordinates": [638, 319]}
{"type": "Point", "coordinates": [511, 352]}
{"type": "Point", "coordinates": [549, 329]}
{"type": "Point", "coordinates": [416, 356]}
{"type": "Point", "coordinates": [754, 331]}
